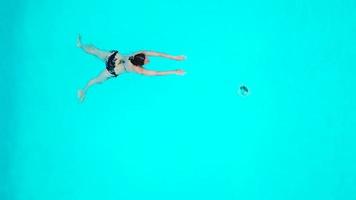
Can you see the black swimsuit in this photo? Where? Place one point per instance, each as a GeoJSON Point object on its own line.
{"type": "Point", "coordinates": [110, 63]}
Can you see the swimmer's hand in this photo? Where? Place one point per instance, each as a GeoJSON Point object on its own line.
{"type": "Point", "coordinates": [179, 58]}
{"type": "Point", "coordinates": [179, 72]}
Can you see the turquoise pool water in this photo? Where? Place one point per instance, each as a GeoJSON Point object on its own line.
{"type": "Point", "coordinates": [180, 137]}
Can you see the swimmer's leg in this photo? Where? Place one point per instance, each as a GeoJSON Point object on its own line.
{"type": "Point", "coordinates": [91, 49]}
{"type": "Point", "coordinates": [103, 76]}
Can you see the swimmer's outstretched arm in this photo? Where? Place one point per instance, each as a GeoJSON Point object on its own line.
{"type": "Point", "coordinates": [164, 55]}
{"type": "Point", "coordinates": [146, 72]}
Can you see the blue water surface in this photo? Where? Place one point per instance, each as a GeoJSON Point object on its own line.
{"type": "Point", "coordinates": [179, 137]}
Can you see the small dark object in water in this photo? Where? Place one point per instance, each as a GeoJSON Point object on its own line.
{"type": "Point", "coordinates": [243, 90]}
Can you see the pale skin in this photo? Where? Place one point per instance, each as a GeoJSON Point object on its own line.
{"type": "Point", "coordinates": [102, 55]}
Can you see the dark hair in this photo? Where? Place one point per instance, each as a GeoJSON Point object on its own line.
{"type": "Point", "coordinates": [138, 59]}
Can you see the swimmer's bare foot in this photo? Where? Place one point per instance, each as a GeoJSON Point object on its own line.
{"type": "Point", "coordinates": [79, 41]}
{"type": "Point", "coordinates": [81, 95]}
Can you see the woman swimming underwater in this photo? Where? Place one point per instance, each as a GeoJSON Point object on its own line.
{"type": "Point", "coordinates": [117, 64]}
